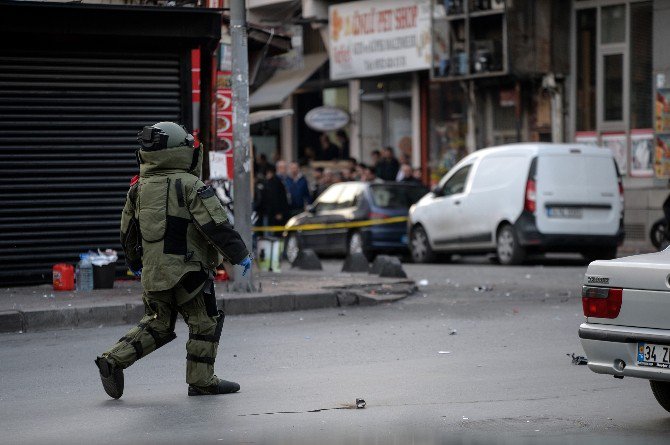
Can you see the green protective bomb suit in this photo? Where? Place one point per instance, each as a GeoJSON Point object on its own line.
{"type": "Point", "coordinates": [174, 229]}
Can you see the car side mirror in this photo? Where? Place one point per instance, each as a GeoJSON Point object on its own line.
{"type": "Point", "coordinates": [437, 191]}
{"type": "Point", "coordinates": [311, 209]}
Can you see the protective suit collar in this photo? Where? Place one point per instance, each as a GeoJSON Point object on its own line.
{"type": "Point", "coordinates": [170, 160]}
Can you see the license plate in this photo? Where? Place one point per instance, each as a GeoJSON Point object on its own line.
{"type": "Point", "coordinates": [564, 212]}
{"type": "Point", "coordinates": [650, 354]}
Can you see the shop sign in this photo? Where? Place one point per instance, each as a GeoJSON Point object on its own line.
{"type": "Point", "coordinates": [224, 111]}
{"type": "Point", "coordinates": [369, 38]}
{"type": "Point", "coordinates": [326, 118]}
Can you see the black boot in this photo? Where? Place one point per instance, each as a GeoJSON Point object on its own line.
{"type": "Point", "coordinates": [222, 387]}
{"type": "Point", "coordinates": [111, 376]}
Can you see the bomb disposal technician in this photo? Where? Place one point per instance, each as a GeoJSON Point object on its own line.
{"type": "Point", "coordinates": [174, 232]}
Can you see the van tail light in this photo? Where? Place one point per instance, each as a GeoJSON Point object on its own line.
{"type": "Point", "coordinates": [377, 215]}
{"type": "Point", "coordinates": [529, 202]}
{"type": "Point", "coordinates": [601, 302]}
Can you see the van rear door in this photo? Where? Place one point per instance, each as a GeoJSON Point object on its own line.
{"type": "Point", "coordinates": [577, 192]}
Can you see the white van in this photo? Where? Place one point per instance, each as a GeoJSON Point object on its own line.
{"type": "Point", "coordinates": [520, 199]}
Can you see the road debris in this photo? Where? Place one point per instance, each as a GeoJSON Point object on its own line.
{"type": "Point", "coordinates": [486, 288]}
{"type": "Point", "coordinates": [578, 359]}
{"type": "Point", "coordinates": [444, 352]}
{"type": "Point", "coordinates": [360, 403]}
{"type": "Point", "coordinates": [423, 282]}
{"type": "Point", "coordinates": [453, 332]}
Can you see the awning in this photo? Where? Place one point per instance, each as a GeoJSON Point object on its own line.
{"type": "Point", "coordinates": [42, 21]}
{"type": "Point", "coordinates": [265, 115]}
{"type": "Point", "coordinates": [283, 83]}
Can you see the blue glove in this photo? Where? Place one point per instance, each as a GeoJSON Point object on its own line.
{"type": "Point", "coordinates": [137, 273]}
{"type": "Point", "coordinates": [246, 263]}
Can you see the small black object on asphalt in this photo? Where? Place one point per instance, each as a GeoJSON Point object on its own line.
{"type": "Point", "coordinates": [307, 260]}
{"type": "Point", "coordinates": [356, 262]}
{"type": "Point", "coordinates": [578, 359]}
{"type": "Point", "coordinates": [360, 403]}
{"type": "Point", "coordinates": [486, 288]}
{"type": "Point", "coordinates": [392, 269]}
{"type": "Point", "coordinates": [378, 262]}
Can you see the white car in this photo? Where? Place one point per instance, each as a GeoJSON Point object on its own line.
{"type": "Point", "coordinates": [523, 198]}
{"type": "Point", "coordinates": [627, 329]}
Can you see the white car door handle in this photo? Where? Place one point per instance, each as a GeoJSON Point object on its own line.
{"type": "Point", "coordinates": [457, 203]}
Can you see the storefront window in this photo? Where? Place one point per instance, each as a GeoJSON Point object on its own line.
{"type": "Point", "coordinates": [613, 87]}
{"type": "Point", "coordinates": [614, 107]}
{"type": "Point", "coordinates": [613, 22]}
{"type": "Point", "coordinates": [447, 113]}
{"type": "Point", "coordinates": [586, 70]}
{"type": "Point", "coordinates": [641, 65]}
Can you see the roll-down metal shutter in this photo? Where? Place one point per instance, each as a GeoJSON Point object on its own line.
{"type": "Point", "coordinates": [68, 126]}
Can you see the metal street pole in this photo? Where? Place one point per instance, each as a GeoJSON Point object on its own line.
{"type": "Point", "coordinates": [241, 156]}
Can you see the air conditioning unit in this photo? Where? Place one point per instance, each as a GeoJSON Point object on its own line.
{"type": "Point", "coordinates": [497, 4]}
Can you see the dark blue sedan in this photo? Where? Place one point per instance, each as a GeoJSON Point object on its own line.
{"type": "Point", "coordinates": [353, 205]}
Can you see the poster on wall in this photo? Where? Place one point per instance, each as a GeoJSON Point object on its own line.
{"type": "Point", "coordinates": [618, 144]}
{"type": "Point", "coordinates": [589, 138]}
{"type": "Point", "coordinates": [663, 110]}
{"type": "Point", "coordinates": [662, 156]}
{"type": "Point", "coordinates": [369, 38]}
{"type": "Point", "coordinates": [642, 153]}
{"type": "Point", "coordinates": [220, 165]}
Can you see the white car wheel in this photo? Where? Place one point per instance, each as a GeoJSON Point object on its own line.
{"type": "Point", "coordinates": [420, 246]}
{"type": "Point", "coordinates": [292, 248]}
{"type": "Point", "coordinates": [661, 392]}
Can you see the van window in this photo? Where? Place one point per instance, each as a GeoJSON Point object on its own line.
{"type": "Point", "coordinates": [456, 184]}
{"type": "Point", "coordinates": [577, 171]}
{"type": "Point", "coordinates": [496, 172]}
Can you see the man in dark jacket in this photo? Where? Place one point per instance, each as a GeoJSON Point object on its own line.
{"type": "Point", "coordinates": [174, 233]}
{"type": "Point", "coordinates": [388, 165]}
{"type": "Point", "coordinates": [297, 188]}
{"type": "Point", "coordinates": [273, 205]}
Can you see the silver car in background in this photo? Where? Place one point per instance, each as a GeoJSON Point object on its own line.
{"type": "Point", "coordinates": [627, 330]}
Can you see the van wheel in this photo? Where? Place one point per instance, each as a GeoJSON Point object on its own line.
{"type": "Point", "coordinates": [507, 247]}
{"type": "Point", "coordinates": [419, 246]}
{"type": "Point", "coordinates": [661, 392]}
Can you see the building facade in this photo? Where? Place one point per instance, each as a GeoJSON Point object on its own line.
{"type": "Point", "coordinates": [618, 71]}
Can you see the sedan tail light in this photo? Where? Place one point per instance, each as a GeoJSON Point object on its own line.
{"type": "Point", "coordinates": [601, 302]}
{"type": "Point", "coordinates": [377, 215]}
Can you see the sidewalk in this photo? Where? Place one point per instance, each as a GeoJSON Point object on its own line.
{"type": "Point", "coordinates": [40, 308]}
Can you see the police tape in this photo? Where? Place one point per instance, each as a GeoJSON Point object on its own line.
{"type": "Point", "coordinates": [339, 225]}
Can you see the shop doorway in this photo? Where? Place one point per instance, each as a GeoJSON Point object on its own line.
{"type": "Point", "coordinates": [386, 116]}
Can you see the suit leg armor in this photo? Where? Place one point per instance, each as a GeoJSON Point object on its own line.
{"type": "Point", "coordinates": [205, 323]}
{"type": "Point", "coordinates": [154, 331]}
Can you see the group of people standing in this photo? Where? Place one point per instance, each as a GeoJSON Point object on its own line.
{"type": "Point", "coordinates": [283, 190]}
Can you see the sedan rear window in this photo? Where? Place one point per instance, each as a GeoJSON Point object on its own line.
{"type": "Point", "coordinates": [391, 196]}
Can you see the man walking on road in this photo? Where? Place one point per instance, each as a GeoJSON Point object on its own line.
{"type": "Point", "coordinates": [174, 232]}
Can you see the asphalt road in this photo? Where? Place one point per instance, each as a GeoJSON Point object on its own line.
{"type": "Point", "coordinates": [449, 365]}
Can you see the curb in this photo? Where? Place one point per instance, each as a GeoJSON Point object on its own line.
{"type": "Point", "coordinates": [233, 304]}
